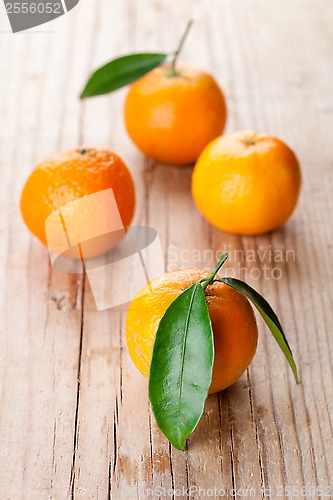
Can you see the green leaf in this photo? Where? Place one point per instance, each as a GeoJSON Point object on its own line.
{"type": "Point", "coordinates": [120, 72]}
{"type": "Point", "coordinates": [268, 315]}
{"type": "Point", "coordinates": [181, 366]}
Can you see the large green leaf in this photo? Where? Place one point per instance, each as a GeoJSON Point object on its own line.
{"type": "Point", "coordinates": [181, 366]}
{"type": "Point", "coordinates": [268, 315]}
{"type": "Point", "coordinates": [120, 72]}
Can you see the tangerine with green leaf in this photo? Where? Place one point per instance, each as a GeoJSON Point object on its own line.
{"type": "Point", "coordinates": [233, 322]}
{"type": "Point", "coordinates": [194, 333]}
{"type": "Point", "coordinates": [172, 111]}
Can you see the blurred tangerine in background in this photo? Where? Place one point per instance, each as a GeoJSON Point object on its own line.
{"type": "Point", "coordinates": [246, 183]}
{"type": "Point", "coordinates": [172, 115]}
{"type": "Point", "coordinates": [172, 111]}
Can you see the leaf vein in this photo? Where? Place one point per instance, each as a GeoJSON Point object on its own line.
{"type": "Point", "coordinates": [184, 347]}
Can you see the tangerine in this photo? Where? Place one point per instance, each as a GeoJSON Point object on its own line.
{"type": "Point", "coordinates": [67, 177]}
{"type": "Point", "coordinates": [246, 183]}
{"type": "Point", "coordinates": [172, 115]}
{"type": "Point", "coordinates": [233, 322]}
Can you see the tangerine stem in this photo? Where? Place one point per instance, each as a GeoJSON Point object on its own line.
{"type": "Point", "coordinates": [206, 281]}
{"type": "Point", "coordinates": [173, 71]}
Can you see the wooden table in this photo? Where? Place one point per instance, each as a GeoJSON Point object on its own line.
{"type": "Point", "coordinates": [74, 414]}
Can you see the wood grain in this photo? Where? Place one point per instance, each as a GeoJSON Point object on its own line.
{"type": "Point", "coordinates": [75, 421]}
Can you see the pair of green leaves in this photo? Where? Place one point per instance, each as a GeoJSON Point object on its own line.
{"type": "Point", "coordinates": [183, 356]}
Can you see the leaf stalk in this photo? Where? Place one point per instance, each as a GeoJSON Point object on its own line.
{"type": "Point", "coordinates": [173, 71]}
{"type": "Point", "coordinates": [210, 278]}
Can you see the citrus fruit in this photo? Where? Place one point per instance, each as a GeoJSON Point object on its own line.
{"type": "Point", "coordinates": [233, 322]}
{"type": "Point", "coordinates": [60, 182]}
{"type": "Point", "coordinates": [172, 115]}
{"type": "Point", "coordinates": [246, 182]}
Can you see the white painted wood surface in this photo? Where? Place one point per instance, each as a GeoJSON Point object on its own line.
{"type": "Point", "coordinates": [74, 415]}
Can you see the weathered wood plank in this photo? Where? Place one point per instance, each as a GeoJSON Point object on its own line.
{"type": "Point", "coordinates": [74, 416]}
